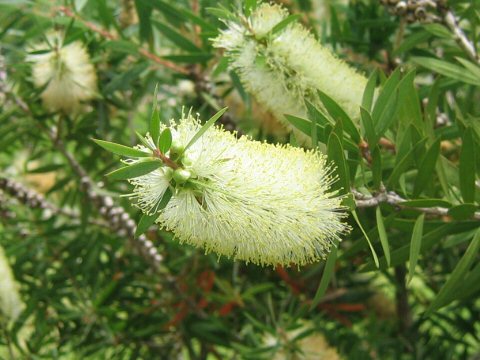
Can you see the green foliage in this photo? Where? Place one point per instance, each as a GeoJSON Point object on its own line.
{"type": "Point", "coordinates": [408, 170]}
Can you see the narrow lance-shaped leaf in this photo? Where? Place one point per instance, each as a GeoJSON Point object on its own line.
{"type": "Point", "coordinates": [148, 220]}
{"type": "Point", "coordinates": [426, 203]}
{"type": "Point", "coordinates": [177, 38]}
{"type": "Point", "coordinates": [403, 164]}
{"type": "Point", "coordinates": [377, 167]}
{"type": "Point", "coordinates": [144, 141]}
{"type": "Point", "coordinates": [144, 223]}
{"type": "Point", "coordinates": [121, 149]}
{"type": "Point", "coordinates": [326, 277]}
{"type": "Point", "coordinates": [154, 126]}
{"type": "Point", "coordinates": [205, 127]}
{"type": "Point", "coordinates": [447, 69]}
{"type": "Point", "coordinates": [336, 154]}
{"type": "Point", "coordinates": [410, 109]}
{"type": "Point", "coordinates": [338, 113]}
{"type": "Point", "coordinates": [467, 167]}
{"type": "Point", "coordinates": [165, 140]}
{"type": "Point", "coordinates": [135, 170]}
{"type": "Point", "coordinates": [427, 168]}
{"type": "Point", "coordinates": [384, 99]}
{"type": "Point", "coordinates": [374, 254]}
{"type": "Point", "coordinates": [368, 127]}
{"type": "Point", "coordinates": [249, 6]}
{"type": "Point", "coordinates": [284, 23]}
{"type": "Point", "coordinates": [415, 245]}
{"type": "Point", "coordinates": [382, 234]}
{"type": "Point", "coordinates": [369, 93]}
{"type": "Point", "coordinates": [447, 292]}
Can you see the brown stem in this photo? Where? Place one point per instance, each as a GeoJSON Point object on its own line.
{"type": "Point", "coordinates": [110, 36]}
{"type": "Point", "coordinates": [166, 160]}
{"type": "Point", "coordinates": [392, 198]}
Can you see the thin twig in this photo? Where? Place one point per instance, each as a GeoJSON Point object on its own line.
{"type": "Point", "coordinates": [117, 218]}
{"type": "Point", "coordinates": [448, 19]}
{"type": "Point", "coordinates": [394, 199]}
{"type": "Point", "coordinates": [35, 200]}
{"type": "Point", "coordinates": [111, 36]}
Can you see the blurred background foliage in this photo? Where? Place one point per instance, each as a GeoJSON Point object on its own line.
{"type": "Point", "coordinates": [93, 292]}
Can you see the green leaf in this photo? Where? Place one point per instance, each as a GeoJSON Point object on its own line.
{"type": "Point", "coordinates": [374, 254]}
{"type": "Point", "coordinates": [205, 127]}
{"type": "Point", "coordinates": [462, 211]}
{"type": "Point", "coordinates": [427, 168]}
{"type": "Point", "coordinates": [192, 58]}
{"type": "Point", "coordinates": [411, 41]}
{"type": "Point", "coordinates": [123, 81]}
{"type": "Point", "coordinates": [284, 23]}
{"type": "Point", "coordinates": [369, 93]}
{"type": "Point", "coordinates": [249, 6]}
{"type": "Point", "coordinates": [385, 106]}
{"type": "Point", "coordinates": [382, 234]}
{"type": "Point", "coordinates": [377, 167]}
{"type": "Point", "coordinates": [135, 170]}
{"type": "Point", "coordinates": [121, 46]}
{"type": "Point", "coordinates": [121, 149]}
{"type": "Point", "coordinates": [176, 38]}
{"type": "Point", "coordinates": [144, 13]}
{"type": "Point", "coordinates": [415, 246]}
{"type": "Point", "coordinates": [154, 126]}
{"type": "Point", "coordinates": [449, 289]}
{"type": "Point", "coordinates": [368, 127]}
{"type": "Point", "coordinates": [438, 30]}
{"type": "Point", "coordinates": [336, 112]}
{"type": "Point", "coordinates": [165, 200]}
{"type": "Point", "coordinates": [221, 13]}
{"type": "Point", "coordinates": [145, 222]}
{"type": "Point", "coordinates": [144, 141]}
{"type": "Point", "coordinates": [410, 110]}
{"type": "Point", "coordinates": [316, 115]}
{"type": "Point", "coordinates": [473, 68]}
{"type": "Point", "coordinates": [165, 141]}
{"type": "Point", "coordinates": [467, 167]}
{"type": "Point", "coordinates": [426, 203]}
{"type": "Point", "coordinates": [301, 124]}
{"type": "Point", "coordinates": [430, 239]}
{"type": "Point", "coordinates": [148, 220]}
{"type": "Point", "coordinates": [403, 164]}
{"type": "Point", "coordinates": [328, 271]}
{"type": "Point", "coordinates": [336, 155]}
{"type": "Point", "coordinates": [447, 69]}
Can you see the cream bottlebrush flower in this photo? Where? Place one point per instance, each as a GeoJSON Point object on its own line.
{"type": "Point", "coordinates": [283, 68]}
{"type": "Point", "coordinates": [261, 203]}
{"type": "Point", "coordinates": [67, 75]}
{"type": "Point", "coordinates": [11, 304]}
{"type": "Point", "coordinates": [301, 344]}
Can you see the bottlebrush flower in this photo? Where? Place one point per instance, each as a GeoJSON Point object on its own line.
{"type": "Point", "coordinates": [67, 75]}
{"type": "Point", "coordinates": [10, 303]}
{"type": "Point", "coordinates": [261, 203]}
{"type": "Point", "coordinates": [281, 68]}
{"type": "Point", "coordinates": [301, 343]}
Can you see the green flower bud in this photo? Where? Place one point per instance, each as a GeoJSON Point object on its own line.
{"type": "Point", "coordinates": [176, 149]}
{"type": "Point", "coordinates": [181, 176]}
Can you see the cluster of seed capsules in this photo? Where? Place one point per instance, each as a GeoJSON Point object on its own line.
{"type": "Point", "coordinates": [121, 222]}
{"type": "Point", "coordinates": [116, 217]}
{"type": "Point", "coordinates": [416, 10]}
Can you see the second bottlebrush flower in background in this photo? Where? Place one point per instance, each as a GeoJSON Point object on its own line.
{"type": "Point", "coordinates": [281, 64]}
